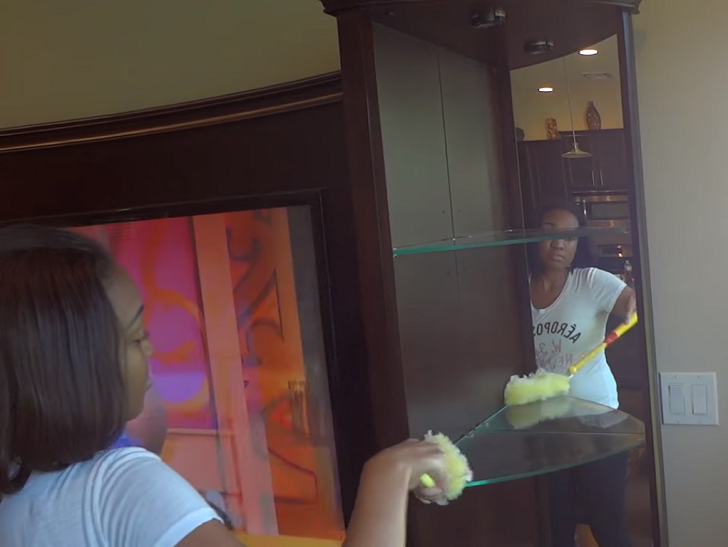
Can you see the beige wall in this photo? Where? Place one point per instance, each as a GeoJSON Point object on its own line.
{"type": "Point", "coordinates": [80, 58]}
{"type": "Point", "coordinates": [681, 60]}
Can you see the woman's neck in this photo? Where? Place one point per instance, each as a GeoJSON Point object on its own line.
{"type": "Point", "coordinates": [552, 279]}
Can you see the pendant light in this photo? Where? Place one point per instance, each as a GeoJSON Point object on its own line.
{"type": "Point", "coordinates": [575, 153]}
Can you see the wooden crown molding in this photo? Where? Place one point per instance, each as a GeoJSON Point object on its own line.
{"type": "Point", "coordinates": [236, 107]}
{"type": "Point", "coordinates": [335, 6]}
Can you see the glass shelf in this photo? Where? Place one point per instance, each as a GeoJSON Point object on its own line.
{"type": "Point", "coordinates": [506, 237]}
{"type": "Point", "coordinates": [547, 436]}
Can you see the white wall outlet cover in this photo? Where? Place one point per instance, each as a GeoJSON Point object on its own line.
{"type": "Point", "coordinates": [689, 398]}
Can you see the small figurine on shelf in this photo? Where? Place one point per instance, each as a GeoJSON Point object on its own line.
{"type": "Point", "coordinates": [593, 119]}
{"type": "Point", "coordinates": [552, 130]}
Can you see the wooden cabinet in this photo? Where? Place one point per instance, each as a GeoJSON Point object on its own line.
{"type": "Point", "coordinates": [610, 155]}
{"type": "Point", "coordinates": [580, 173]}
{"type": "Point", "coordinates": [432, 156]}
{"type": "Point", "coordinates": [545, 175]}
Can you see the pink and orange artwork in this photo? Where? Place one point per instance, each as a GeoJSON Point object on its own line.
{"type": "Point", "coordinates": [235, 407]}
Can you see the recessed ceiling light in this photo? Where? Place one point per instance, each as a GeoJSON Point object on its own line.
{"type": "Point", "coordinates": [588, 52]}
{"type": "Point", "coordinates": [545, 89]}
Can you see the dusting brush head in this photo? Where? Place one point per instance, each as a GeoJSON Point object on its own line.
{"type": "Point", "coordinates": [538, 386]}
{"type": "Point", "coordinates": [457, 468]}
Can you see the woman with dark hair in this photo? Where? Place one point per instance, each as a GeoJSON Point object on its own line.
{"type": "Point", "coordinates": [570, 305]}
{"type": "Point", "coordinates": [73, 371]}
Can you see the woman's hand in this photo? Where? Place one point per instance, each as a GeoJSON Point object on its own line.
{"type": "Point", "coordinates": [380, 514]}
{"type": "Point", "coordinates": [414, 458]}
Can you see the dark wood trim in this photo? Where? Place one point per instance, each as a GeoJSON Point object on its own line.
{"type": "Point", "coordinates": [513, 193]}
{"type": "Point", "coordinates": [337, 6]}
{"type": "Point", "coordinates": [580, 132]}
{"type": "Point", "coordinates": [628, 73]}
{"type": "Point", "coordinates": [511, 182]}
{"type": "Point", "coordinates": [371, 216]}
{"type": "Point", "coordinates": [181, 209]}
{"type": "Point", "coordinates": [269, 101]}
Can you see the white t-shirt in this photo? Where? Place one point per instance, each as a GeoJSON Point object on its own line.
{"type": "Point", "coordinates": [573, 326]}
{"type": "Point", "coordinates": [121, 498]}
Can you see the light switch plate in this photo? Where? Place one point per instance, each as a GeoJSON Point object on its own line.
{"type": "Point", "coordinates": [689, 399]}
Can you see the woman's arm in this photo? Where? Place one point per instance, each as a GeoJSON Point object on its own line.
{"type": "Point", "coordinates": [380, 514]}
{"type": "Point", "coordinates": [626, 305]}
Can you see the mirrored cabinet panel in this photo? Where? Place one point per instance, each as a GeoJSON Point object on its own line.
{"type": "Point", "coordinates": [506, 155]}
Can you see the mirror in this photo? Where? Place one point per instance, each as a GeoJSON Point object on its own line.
{"type": "Point", "coordinates": [458, 185]}
{"type": "Point", "coordinates": [597, 188]}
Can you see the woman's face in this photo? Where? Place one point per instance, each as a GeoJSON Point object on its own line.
{"type": "Point", "coordinates": [127, 303]}
{"type": "Point", "coordinates": [558, 254]}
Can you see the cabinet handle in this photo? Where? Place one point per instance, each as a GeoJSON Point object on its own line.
{"type": "Point", "coordinates": [594, 182]}
{"type": "Point", "coordinates": [601, 176]}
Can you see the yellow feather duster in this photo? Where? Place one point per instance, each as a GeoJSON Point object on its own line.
{"type": "Point", "coordinates": [457, 467]}
{"type": "Point", "coordinates": [538, 386]}
{"type": "Point", "coordinates": [543, 385]}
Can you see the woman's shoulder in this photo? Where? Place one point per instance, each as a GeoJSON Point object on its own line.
{"type": "Point", "coordinates": [125, 492]}
{"type": "Point", "coordinates": [584, 271]}
{"type": "Point", "coordinates": [110, 467]}
{"type": "Point", "coordinates": [118, 462]}
{"type": "Point", "coordinates": [116, 457]}
{"type": "Point", "coordinates": [601, 285]}
{"type": "Point", "coordinates": [114, 462]}
{"type": "Point", "coordinates": [594, 279]}
{"type": "Point", "coordinates": [591, 274]}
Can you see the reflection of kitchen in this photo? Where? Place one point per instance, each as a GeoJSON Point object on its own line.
{"type": "Point", "coordinates": [543, 108]}
{"type": "Point", "coordinates": [598, 183]}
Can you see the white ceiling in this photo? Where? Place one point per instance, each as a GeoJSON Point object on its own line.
{"type": "Point", "coordinates": [551, 73]}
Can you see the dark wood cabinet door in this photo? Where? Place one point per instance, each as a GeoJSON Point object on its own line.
{"type": "Point", "coordinates": [545, 175]}
{"type": "Point", "coordinates": [526, 178]}
{"type": "Point", "coordinates": [611, 159]}
{"type": "Point", "coordinates": [581, 173]}
{"type": "Point", "coordinates": [542, 173]}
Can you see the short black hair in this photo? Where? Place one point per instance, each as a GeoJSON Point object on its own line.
{"type": "Point", "coordinates": [62, 390]}
{"type": "Point", "coordinates": [582, 258]}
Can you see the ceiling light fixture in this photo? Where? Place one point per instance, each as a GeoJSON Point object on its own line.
{"type": "Point", "coordinates": [538, 47]}
{"type": "Point", "coordinates": [588, 52]}
{"type": "Point", "coordinates": [575, 153]}
{"type": "Point", "coordinates": [545, 89]}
